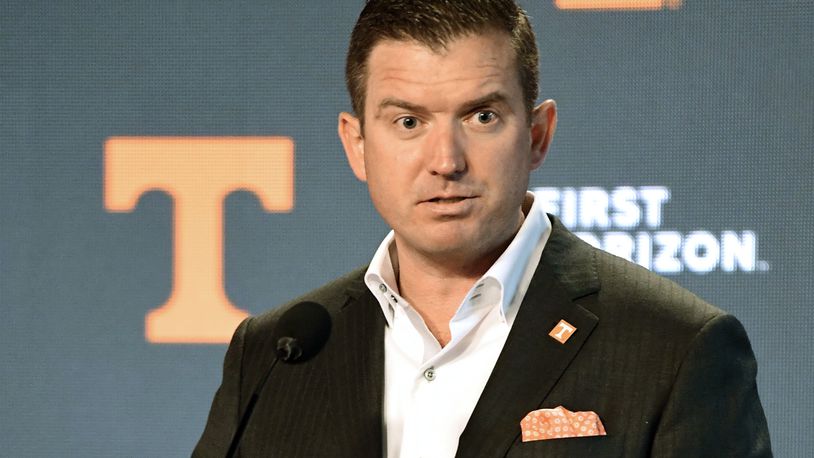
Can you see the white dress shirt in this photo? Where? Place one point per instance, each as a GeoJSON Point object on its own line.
{"type": "Point", "coordinates": [429, 391]}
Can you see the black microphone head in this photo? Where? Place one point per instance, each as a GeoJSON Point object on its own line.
{"type": "Point", "coordinates": [302, 331]}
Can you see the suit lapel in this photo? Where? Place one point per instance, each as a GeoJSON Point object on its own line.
{"type": "Point", "coordinates": [531, 361]}
{"type": "Point", "coordinates": [357, 375]}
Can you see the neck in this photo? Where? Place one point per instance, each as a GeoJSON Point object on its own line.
{"type": "Point", "coordinates": [436, 287]}
{"type": "Point", "coordinates": [435, 293]}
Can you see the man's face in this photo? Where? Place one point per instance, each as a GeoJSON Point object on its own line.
{"type": "Point", "coordinates": [447, 146]}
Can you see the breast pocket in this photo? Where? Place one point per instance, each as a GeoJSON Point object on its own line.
{"type": "Point", "coordinates": [593, 447]}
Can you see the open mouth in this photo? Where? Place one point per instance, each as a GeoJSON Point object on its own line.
{"type": "Point", "coordinates": [447, 200]}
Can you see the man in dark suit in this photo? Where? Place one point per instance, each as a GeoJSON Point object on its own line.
{"type": "Point", "coordinates": [479, 312]}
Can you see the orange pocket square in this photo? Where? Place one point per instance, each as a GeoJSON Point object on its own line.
{"type": "Point", "coordinates": [559, 423]}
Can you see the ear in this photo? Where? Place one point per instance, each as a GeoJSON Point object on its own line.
{"type": "Point", "coordinates": [350, 133]}
{"type": "Point", "coordinates": [543, 125]}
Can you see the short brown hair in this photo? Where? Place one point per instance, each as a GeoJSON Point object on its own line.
{"type": "Point", "coordinates": [434, 23]}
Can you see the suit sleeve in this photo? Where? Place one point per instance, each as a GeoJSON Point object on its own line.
{"type": "Point", "coordinates": [225, 411]}
{"type": "Point", "coordinates": [713, 408]}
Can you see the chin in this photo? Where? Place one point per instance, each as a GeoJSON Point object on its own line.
{"type": "Point", "coordinates": [434, 242]}
{"type": "Point", "coordinates": [452, 245]}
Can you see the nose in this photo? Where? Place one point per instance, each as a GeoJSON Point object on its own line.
{"type": "Point", "coordinates": [445, 151]}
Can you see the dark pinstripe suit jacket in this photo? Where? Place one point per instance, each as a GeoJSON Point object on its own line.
{"type": "Point", "coordinates": [668, 374]}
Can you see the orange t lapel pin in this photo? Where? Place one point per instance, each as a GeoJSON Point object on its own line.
{"type": "Point", "coordinates": [562, 331]}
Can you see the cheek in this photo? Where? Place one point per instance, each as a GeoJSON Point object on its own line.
{"type": "Point", "coordinates": [384, 187]}
{"type": "Point", "coordinates": [392, 169]}
{"type": "Point", "coordinates": [375, 184]}
{"type": "Point", "coordinates": [509, 173]}
{"type": "Point", "coordinates": [507, 162]}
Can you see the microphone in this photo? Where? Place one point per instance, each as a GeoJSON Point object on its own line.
{"type": "Point", "coordinates": [301, 332]}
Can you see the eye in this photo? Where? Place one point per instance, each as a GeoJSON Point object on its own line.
{"type": "Point", "coordinates": [485, 117]}
{"type": "Point", "coordinates": [408, 122]}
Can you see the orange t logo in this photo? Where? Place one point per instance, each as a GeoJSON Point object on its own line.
{"type": "Point", "coordinates": [198, 173]}
{"type": "Point", "coordinates": [617, 4]}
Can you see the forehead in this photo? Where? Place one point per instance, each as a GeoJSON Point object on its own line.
{"type": "Point", "coordinates": [465, 66]}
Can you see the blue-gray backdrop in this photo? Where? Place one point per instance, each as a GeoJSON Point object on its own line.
{"type": "Point", "coordinates": [685, 142]}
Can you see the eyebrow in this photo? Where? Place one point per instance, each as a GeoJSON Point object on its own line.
{"type": "Point", "coordinates": [398, 103]}
{"type": "Point", "coordinates": [493, 98]}
{"type": "Point", "coordinates": [496, 97]}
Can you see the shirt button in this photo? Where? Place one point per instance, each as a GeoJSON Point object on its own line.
{"type": "Point", "coordinates": [429, 374]}
{"type": "Point", "coordinates": [382, 288]}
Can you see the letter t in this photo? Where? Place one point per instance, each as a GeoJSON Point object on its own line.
{"type": "Point", "coordinates": [198, 173]}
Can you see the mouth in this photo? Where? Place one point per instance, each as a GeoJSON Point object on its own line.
{"type": "Point", "coordinates": [450, 206]}
{"type": "Point", "coordinates": [448, 200]}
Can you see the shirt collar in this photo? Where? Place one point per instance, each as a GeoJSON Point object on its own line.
{"type": "Point", "coordinates": [506, 272]}
{"type": "Point", "coordinates": [380, 277]}
{"type": "Point", "coordinates": [509, 267]}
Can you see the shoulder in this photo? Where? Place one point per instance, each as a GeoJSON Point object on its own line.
{"type": "Point", "coordinates": [628, 299]}
{"type": "Point", "coordinates": [667, 326]}
{"type": "Point", "coordinates": [629, 288]}
{"type": "Point", "coordinates": [332, 295]}
{"type": "Point", "coordinates": [253, 346]}
{"type": "Point", "coordinates": [624, 281]}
